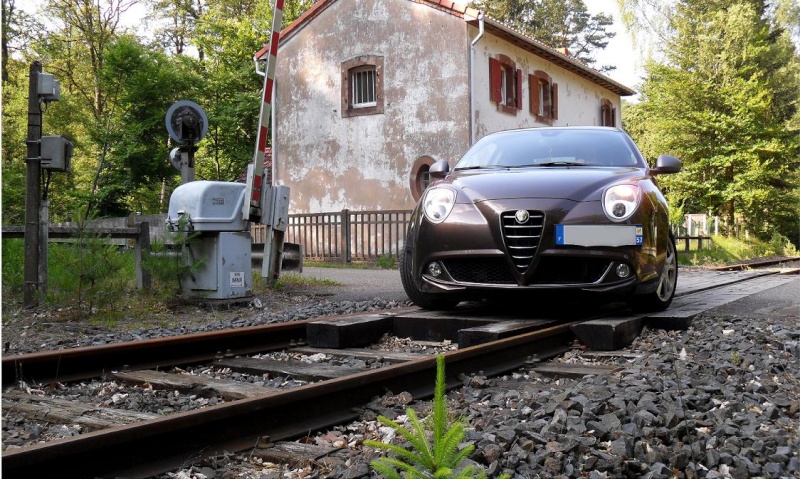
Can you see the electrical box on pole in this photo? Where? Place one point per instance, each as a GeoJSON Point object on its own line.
{"type": "Point", "coordinates": [48, 88]}
{"type": "Point", "coordinates": [56, 153]}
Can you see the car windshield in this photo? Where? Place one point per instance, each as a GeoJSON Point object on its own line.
{"type": "Point", "coordinates": [551, 147]}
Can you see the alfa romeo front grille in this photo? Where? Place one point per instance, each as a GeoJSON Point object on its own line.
{"type": "Point", "coordinates": [522, 237]}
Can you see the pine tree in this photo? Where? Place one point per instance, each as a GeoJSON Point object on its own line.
{"type": "Point", "coordinates": [722, 101]}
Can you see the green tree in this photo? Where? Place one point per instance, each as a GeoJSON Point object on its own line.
{"type": "Point", "coordinates": [722, 101]}
{"type": "Point", "coordinates": [229, 33]}
{"type": "Point", "coordinates": [18, 29]}
{"type": "Point", "coordinates": [176, 22]}
{"type": "Point", "coordinates": [558, 23]}
{"type": "Point", "coordinates": [145, 82]}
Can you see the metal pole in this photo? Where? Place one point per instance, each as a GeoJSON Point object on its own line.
{"type": "Point", "coordinates": [44, 242]}
{"type": "Point", "coordinates": [32, 287]}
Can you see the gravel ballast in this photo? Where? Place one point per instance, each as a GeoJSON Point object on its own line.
{"type": "Point", "coordinates": [719, 400]}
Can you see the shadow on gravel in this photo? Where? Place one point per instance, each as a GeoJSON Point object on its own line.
{"type": "Point", "coordinates": [558, 305]}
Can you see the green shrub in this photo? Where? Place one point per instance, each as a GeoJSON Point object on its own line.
{"type": "Point", "coordinates": [88, 273]}
{"type": "Point", "coordinates": [386, 262]}
{"type": "Point", "coordinates": [170, 261]}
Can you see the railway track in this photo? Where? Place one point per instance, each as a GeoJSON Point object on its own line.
{"type": "Point", "coordinates": [495, 343]}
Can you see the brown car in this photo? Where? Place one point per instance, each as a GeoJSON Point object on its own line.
{"type": "Point", "coordinates": [566, 208]}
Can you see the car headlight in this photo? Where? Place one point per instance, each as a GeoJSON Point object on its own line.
{"type": "Point", "coordinates": [621, 201]}
{"type": "Point", "coordinates": [438, 203]}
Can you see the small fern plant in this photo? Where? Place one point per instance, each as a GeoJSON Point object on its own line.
{"type": "Point", "coordinates": [431, 454]}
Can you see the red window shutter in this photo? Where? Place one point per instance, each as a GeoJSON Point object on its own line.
{"type": "Point", "coordinates": [613, 116]}
{"type": "Point", "coordinates": [554, 100]}
{"type": "Point", "coordinates": [518, 92]}
{"type": "Point", "coordinates": [495, 80]}
{"type": "Point", "coordinates": [533, 88]}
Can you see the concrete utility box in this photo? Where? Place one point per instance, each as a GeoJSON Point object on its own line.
{"type": "Point", "coordinates": [213, 209]}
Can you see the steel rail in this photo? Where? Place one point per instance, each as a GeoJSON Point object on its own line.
{"type": "Point", "coordinates": [149, 447]}
{"type": "Point", "coordinates": [755, 264]}
{"type": "Point", "coordinates": [81, 363]}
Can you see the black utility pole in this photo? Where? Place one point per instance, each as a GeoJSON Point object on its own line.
{"type": "Point", "coordinates": [33, 287]}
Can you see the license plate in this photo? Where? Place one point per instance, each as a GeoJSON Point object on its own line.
{"type": "Point", "coordinates": [599, 235]}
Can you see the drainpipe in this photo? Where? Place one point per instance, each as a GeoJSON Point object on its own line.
{"type": "Point", "coordinates": [472, 79]}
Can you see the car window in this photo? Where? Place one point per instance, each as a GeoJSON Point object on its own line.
{"type": "Point", "coordinates": [545, 147]}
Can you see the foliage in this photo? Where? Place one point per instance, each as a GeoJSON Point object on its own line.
{"type": "Point", "coordinates": [734, 250]}
{"type": "Point", "coordinates": [13, 267]}
{"type": "Point", "coordinates": [116, 88]}
{"type": "Point", "coordinates": [89, 272]}
{"type": "Point", "coordinates": [431, 453]}
{"type": "Point", "coordinates": [386, 262]}
{"type": "Point", "coordinates": [170, 261]}
{"type": "Point", "coordinates": [722, 101]}
{"type": "Point", "coordinates": [558, 23]}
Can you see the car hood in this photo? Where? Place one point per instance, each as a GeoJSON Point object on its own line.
{"type": "Point", "coordinates": [573, 183]}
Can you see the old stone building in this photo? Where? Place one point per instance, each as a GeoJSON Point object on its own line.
{"type": "Point", "coordinates": [369, 93]}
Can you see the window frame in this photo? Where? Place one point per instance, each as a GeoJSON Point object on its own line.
{"type": "Point", "coordinates": [608, 113]}
{"type": "Point", "coordinates": [505, 84]}
{"type": "Point", "coordinates": [352, 67]}
{"type": "Point", "coordinates": [544, 97]}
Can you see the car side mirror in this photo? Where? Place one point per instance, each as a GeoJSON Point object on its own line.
{"type": "Point", "coordinates": [666, 164]}
{"type": "Point", "coordinates": [439, 170]}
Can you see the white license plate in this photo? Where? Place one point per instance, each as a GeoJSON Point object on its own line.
{"type": "Point", "coordinates": [599, 235]}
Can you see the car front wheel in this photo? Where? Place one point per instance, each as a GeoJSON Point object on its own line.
{"type": "Point", "coordinates": [661, 298]}
{"type": "Point", "coordinates": [420, 298]}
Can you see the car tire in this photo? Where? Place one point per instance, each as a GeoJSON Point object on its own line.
{"type": "Point", "coordinates": [661, 298]}
{"type": "Point", "coordinates": [421, 299]}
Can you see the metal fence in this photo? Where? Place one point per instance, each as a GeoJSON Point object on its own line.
{"type": "Point", "coordinates": [347, 236]}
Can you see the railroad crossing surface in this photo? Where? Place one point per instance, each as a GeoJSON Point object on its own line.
{"type": "Point", "coordinates": [697, 291]}
{"type": "Point", "coordinates": [363, 284]}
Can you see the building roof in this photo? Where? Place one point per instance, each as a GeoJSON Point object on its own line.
{"type": "Point", "coordinates": [493, 26]}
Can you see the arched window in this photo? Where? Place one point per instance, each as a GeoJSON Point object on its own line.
{"type": "Point", "coordinates": [362, 86]}
{"type": "Point", "coordinates": [608, 113]}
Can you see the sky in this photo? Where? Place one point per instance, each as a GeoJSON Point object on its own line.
{"type": "Point", "coordinates": [620, 51]}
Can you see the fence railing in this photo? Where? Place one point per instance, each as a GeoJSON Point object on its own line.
{"type": "Point", "coordinates": [139, 235]}
{"type": "Point", "coordinates": [346, 236]}
{"type": "Point", "coordinates": [693, 243]}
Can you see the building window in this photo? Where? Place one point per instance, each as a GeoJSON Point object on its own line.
{"type": "Point", "coordinates": [362, 86]}
{"type": "Point", "coordinates": [363, 82]}
{"type": "Point", "coordinates": [608, 113]}
{"type": "Point", "coordinates": [544, 97]}
{"type": "Point", "coordinates": [420, 176]}
{"type": "Point", "coordinates": [505, 84]}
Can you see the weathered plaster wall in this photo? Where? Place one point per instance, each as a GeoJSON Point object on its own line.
{"type": "Point", "coordinates": [578, 99]}
{"type": "Point", "coordinates": [364, 162]}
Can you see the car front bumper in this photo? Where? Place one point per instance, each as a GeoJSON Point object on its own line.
{"type": "Point", "coordinates": [472, 250]}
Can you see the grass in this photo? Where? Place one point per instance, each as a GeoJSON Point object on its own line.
{"type": "Point", "coordinates": [287, 280]}
{"type": "Point", "coordinates": [383, 262]}
{"type": "Point", "coordinates": [733, 250]}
